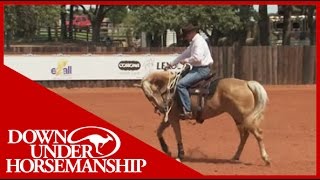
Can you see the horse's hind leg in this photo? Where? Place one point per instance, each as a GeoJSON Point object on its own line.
{"type": "Point", "coordinates": [258, 135]}
{"type": "Point", "coordinates": [243, 139]}
{"type": "Point", "coordinates": [163, 125]}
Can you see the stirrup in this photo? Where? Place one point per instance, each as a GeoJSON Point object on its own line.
{"type": "Point", "coordinates": [186, 115]}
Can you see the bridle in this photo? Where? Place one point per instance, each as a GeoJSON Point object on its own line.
{"type": "Point", "coordinates": [168, 95]}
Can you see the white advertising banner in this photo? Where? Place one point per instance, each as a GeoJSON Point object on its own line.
{"type": "Point", "coordinates": [86, 67]}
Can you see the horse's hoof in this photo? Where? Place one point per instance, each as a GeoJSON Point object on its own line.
{"type": "Point", "coordinates": [168, 153]}
{"type": "Point", "coordinates": [268, 163]}
{"type": "Point", "coordinates": [181, 155]}
{"type": "Point", "coordinates": [235, 159]}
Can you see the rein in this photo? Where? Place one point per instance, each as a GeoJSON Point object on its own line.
{"type": "Point", "coordinates": [171, 89]}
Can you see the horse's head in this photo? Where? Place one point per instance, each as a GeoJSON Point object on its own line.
{"type": "Point", "coordinates": [155, 88]}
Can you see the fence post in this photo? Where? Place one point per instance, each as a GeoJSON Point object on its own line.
{"type": "Point", "coordinates": [237, 61]}
{"type": "Point", "coordinates": [308, 65]}
{"type": "Point", "coordinates": [87, 34]}
{"type": "Point", "coordinates": [274, 65]}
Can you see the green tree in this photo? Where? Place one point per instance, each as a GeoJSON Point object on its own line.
{"type": "Point", "coordinates": [97, 13]}
{"type": "Point", "coordinates": [217, 22]}
{"type": "Point", "coordinates": [26, 22]}
{"type": "Point", "coordinates": [116, 16]}
{"type": "Point", "coordinates": [23, 22]}
{"type": "Point", "coordinates": [70, 27]}
{"type": "Point", "coordinates": [248, 17]}
{"type": "Point", "coordinates": [9, 24]}
{"type": "Point", "coordinates": [48, 16]}
{"type": "Point", "coordinates": [264, 25]}
{"type": "Point", "coordinates": [288, 11]}
{"type": "Point", "coordinates": [287, 24]}
{"type": "Point", "coordinates": [153, 20]}
{"type": "Point", "coordinates": [214, 21]}
{"type": "Point", "coordinates": [63, 16]}
{"type": "Point", "coordinates": [311, 24]}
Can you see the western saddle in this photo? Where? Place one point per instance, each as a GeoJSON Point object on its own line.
{"type": "Point", "coordinates": [201, 90]}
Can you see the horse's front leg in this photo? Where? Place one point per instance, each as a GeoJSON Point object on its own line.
{"type": "Point", "coordinates": [175, 123]}
{"type": "Point", "coordinates": [163, 125]}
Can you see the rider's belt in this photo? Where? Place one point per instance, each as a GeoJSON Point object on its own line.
{"type": "Point", "coordinates": [201, 66]}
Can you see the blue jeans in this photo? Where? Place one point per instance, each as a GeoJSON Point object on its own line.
{"type": "Point", "coordinates": [196, 74]}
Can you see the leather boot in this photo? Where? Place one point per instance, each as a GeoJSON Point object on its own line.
{"type": "Point", "coordinates": [186, 114]}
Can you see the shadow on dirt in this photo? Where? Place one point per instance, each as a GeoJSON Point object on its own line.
{"type": "Point", "coordinates": [213, 160]}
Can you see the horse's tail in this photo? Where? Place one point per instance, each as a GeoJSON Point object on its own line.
{"type": "Point", "coordinates": [261, 99]}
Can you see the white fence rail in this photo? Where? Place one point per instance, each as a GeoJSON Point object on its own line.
{"type": "Point", "coordinates": [86, 67]}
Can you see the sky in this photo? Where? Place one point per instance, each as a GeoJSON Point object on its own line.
{"type": "Point", "coordinates": [271, 8]}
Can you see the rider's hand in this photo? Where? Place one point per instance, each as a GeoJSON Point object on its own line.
{"type": "Point", "coordinates": [168, 66]}
{"type": "Point", "coordinates": [185, 61]}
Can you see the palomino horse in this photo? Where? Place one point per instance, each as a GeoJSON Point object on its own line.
{"type": "Point", "coordinates": [244, 100]}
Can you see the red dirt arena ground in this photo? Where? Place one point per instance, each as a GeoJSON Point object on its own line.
{"type": "Point", "coordinates": [289, 130]}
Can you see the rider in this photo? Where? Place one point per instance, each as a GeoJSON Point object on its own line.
{"type": "Point", "coordinates": [198, 55]}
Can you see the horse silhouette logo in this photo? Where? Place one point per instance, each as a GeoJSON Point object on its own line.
{"type": "Point", "coordinates": [97, 140]}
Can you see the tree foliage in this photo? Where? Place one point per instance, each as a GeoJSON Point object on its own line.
{"type": "Point", "coordinates": [214, 21]}
{"type": "Point", "coordinates": [97, 13]}
{"type": "Point", "coordinates": [218, 23]}
{"type": "Point", "coordinates": [24, 21]}
{"type": "Point", "coordinates": [264, 25]}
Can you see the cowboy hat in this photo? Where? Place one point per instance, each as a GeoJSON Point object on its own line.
{"type": "Point", "coordinates": [189, 28]}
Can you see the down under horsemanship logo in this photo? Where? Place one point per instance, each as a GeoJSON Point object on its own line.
{"type": "Point", "coordinates": [80, 151]}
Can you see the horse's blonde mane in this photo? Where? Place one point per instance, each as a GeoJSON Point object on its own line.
{"type": "Point", "coordinates": [156, 81]}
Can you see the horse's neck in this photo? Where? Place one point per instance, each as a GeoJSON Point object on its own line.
{"type": "Point", "coordinates": [168, 74]}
